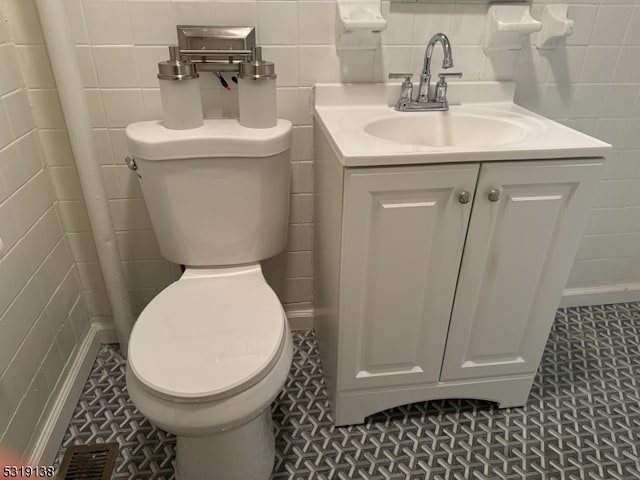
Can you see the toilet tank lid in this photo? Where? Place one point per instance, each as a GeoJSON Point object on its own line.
{"type": "Point", "coordinates": [220, 137]}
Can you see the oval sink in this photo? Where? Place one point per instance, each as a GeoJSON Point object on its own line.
{"type": "Point", "coordinates": [447, 129]}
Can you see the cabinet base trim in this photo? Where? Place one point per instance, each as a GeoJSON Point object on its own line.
{"type": "Point", "coordinates": [352, 408]}
{"type": "Point", "coordinates": [580, 297]}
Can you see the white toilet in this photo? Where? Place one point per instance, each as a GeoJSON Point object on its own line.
{"type": "Point", "coordinates": [210, 353]}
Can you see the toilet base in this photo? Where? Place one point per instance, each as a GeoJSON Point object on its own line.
{"type": "Point", "coordinates": [242, 453]}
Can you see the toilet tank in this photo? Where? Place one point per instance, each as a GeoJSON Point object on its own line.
{"type": "Point", "coordinates": [217, 194]}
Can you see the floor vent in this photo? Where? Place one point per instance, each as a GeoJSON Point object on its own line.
{"type": "Point", "coordinates": [89, 462]}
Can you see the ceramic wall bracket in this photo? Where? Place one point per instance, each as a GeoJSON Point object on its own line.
{"type": "Point", "coordinates": [507, 25]}
{"type": "Point", "coordinates": [555, 26]}
{"type": "Point", "coordinates": [359, 24]}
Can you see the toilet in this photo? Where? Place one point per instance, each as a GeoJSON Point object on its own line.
{"type": "Point", "coordinates": [209, 353]}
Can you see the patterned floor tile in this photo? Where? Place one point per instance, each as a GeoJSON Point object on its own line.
{"type": "Point", "coordinates": [582, 420]}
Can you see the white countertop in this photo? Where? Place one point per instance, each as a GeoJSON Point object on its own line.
{"type": "Point", "coordinates": [343, 111]}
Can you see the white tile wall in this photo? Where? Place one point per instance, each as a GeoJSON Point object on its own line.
{"type": "Point", "coordinates": [107, 22]}
{"type": "Point", "coordinates": [42, 314]}
{"type": "Point", "coordinates": [591, 83]}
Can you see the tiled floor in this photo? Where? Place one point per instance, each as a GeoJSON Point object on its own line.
{"type": "Point", "coordinates": [582, 420]}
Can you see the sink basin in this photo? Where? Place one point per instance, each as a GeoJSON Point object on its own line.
{"type": "Point", "coordinates": [447, 129]}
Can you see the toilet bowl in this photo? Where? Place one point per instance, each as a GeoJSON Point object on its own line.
{"type": "Point", "coordinates": [207, 357]}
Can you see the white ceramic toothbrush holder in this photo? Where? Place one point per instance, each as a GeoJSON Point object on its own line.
{"type": "Point", "coordinates": [555, 26]}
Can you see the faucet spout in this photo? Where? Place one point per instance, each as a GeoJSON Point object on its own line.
{"type": "Point", "coordinates": [447, 62]}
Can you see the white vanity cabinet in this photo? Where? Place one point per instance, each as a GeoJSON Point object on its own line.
{"type": "Point", "coordinates": [442, 280]}
{"type": "Point", "coordinates": [403, 235]}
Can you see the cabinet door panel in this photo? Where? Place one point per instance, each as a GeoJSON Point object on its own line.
{"type": "Point", "coordinates": [404, 231]}
{"type": "Point", "coordinates": [517, 258]}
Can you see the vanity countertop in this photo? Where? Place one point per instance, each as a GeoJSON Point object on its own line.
{"type": "Point", "coordinates": [482, 124]}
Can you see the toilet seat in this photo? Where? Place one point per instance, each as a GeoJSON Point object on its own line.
{"type": "Point", "coordinates": [208, 336]}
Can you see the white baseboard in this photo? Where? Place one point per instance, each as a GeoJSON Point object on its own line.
{"type": "Point", "coordinates": [623, 293]}
{"type": "Point", "coordinates": [60, 408]}
{"type": "Point", "coordinates": [300, 319]}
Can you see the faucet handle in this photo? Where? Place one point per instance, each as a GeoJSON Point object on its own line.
{"type": "Point", "coordinates": [406, 76]}
{"type": "Point", "coordinates": [441, 87]}
{"type": "Point", "coordinates": [444, 75]}
{"type": "Point", "coordinates": [406, 90]}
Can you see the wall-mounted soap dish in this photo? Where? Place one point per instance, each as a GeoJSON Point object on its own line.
{"type": "Point", "coordinates": [507, 25]}
{"type": "Point", "coordinates": [359, 24]}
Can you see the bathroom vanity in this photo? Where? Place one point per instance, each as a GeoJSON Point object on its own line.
{"type": "Point", "coordinates": [443, 243]}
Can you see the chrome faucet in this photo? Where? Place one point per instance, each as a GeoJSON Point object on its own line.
{"type": "Point", "coordinates": [447, 62]}
{"type": "Point", "coordinates": [426, 99]}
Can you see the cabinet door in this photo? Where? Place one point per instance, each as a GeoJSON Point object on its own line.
{"type": "Point", "coordinates": [516, 262]}
{"type": "Point", "coordinates": [403, 234]}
